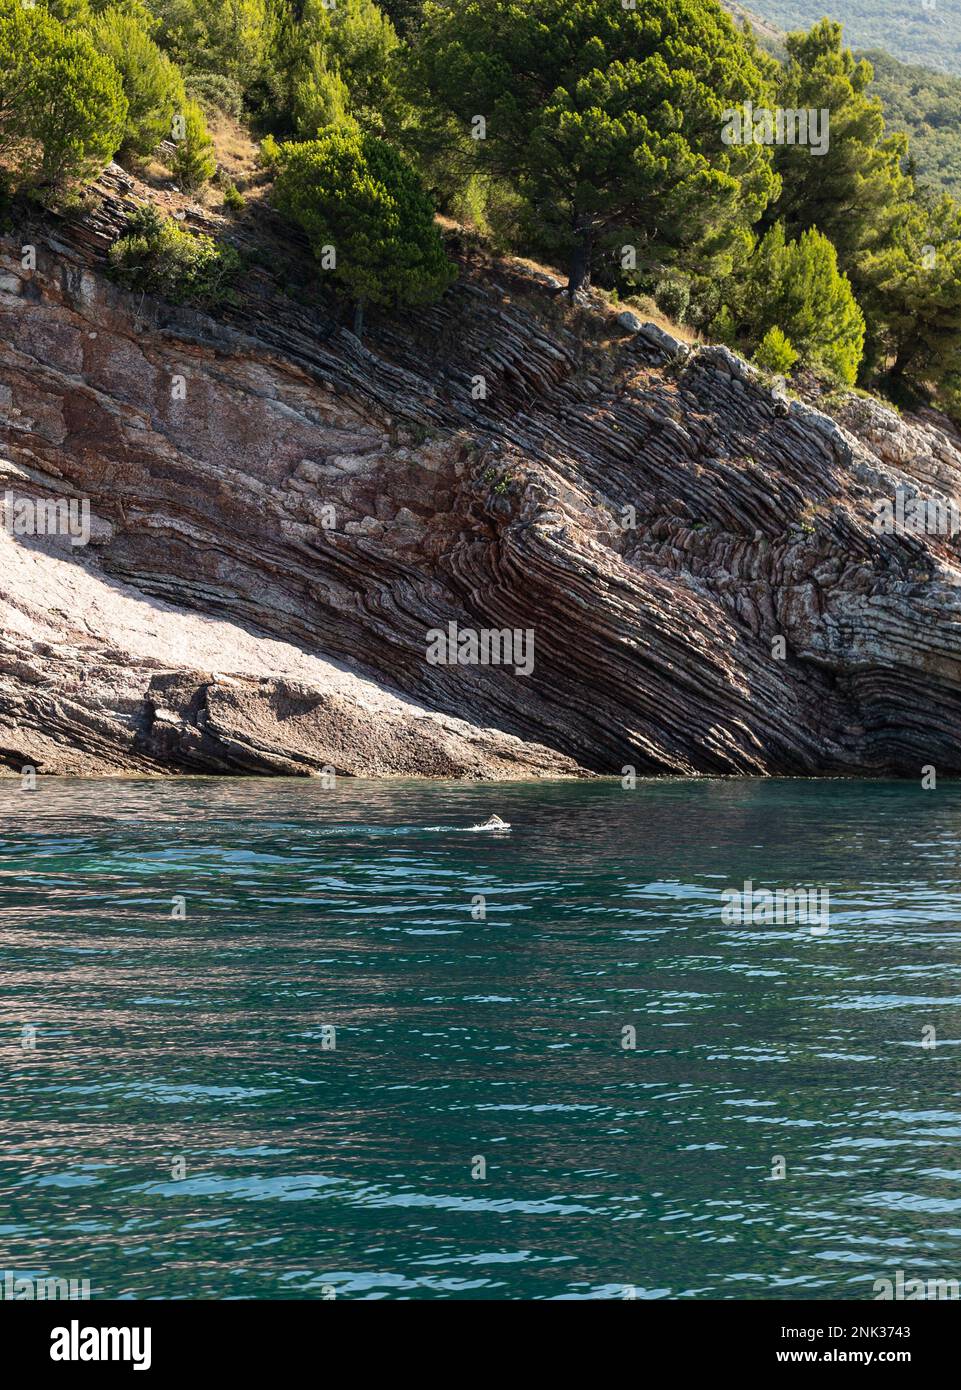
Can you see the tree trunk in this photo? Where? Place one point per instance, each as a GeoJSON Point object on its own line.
{"type": "Point", "coordinates": [359, 319]}
{"type": "Point", "coordinates": [579, 273]}
{"type": "Point", "coordinates": [903, 359]}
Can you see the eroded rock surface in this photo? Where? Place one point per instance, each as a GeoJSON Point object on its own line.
{"type": "Point", "coordinates": [282, 514]}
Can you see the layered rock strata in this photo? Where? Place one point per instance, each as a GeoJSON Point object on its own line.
{"type": "Point", "coordinates": [281, 517]}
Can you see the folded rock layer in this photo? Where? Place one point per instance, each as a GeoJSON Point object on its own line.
{"type": "Point", "coordinates": [283, 519]}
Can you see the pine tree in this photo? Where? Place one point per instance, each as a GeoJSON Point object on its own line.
{"type": "Point", "coordinates": [321, 97]}
{"type": "Point", "coordinates": [355, 43]}
{"type": "Point", "coordinates": [229, 37]}
{"type": "Point", "coordinates": [62, 107]}
{"type": "Point", "coordinates": [607, 119]}
{"type": "Point", "coordinates": [919, 283]}
{"type": "Point", "coordinates": [355, 196]}
{"type": "Point", "coordinates": [795, 286]}
{"type": "Point", "coordinates": [194, 162]}
{"type": "Point", "coordinates": [152, 85]}
{"type": "Point", "coordinates": [775, 352]}
{"type": "Point", "coordinates": [856, 193]}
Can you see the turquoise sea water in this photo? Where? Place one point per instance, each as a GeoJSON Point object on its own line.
{"type": "Point", "coordinates": [173, 1125]}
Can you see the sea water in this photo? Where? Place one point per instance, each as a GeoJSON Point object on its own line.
{"type": "Point", "coordinates": [270, 1039]}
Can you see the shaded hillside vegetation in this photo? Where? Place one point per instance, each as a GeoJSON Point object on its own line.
{"type": "Point", "coordinates": [917, 33]}
{"type": "Point", "coordinates": [927, 106]}
{"type": "Point", "coordinates": [923, 103]}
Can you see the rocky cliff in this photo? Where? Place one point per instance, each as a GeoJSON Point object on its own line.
{"type": "Point", "coordinates": [281, 515]}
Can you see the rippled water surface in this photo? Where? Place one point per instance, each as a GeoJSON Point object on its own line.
{"type": "Point", "coordinates": [196, 1045]}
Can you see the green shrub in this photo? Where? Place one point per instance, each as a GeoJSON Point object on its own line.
{"type": "Point", "coordinates": [354, 43]}
{"type": "Point", "coordinates": [158, 257]}
{"type": "Point", "coordinates": [321, 97]}
{"type": "Point", "coordinates": [797, 284]}
{"type": "Point", "coordinates": [469, 204]}
{"type": "Point", "coordinates": [215, 92]}
{"type": "Point", "coordinates": [233, 198]}
{"type": "Point", "coordinates": [774, 353]}
{"type": "Point", "coordinates": [152, 85]}
{"type": "Point", "coordinates": [193, 163]}
{"type": "Point", "coordinates": [505, 211]}
{"type": "Point", "coordinates": [704, 303]}
{"type": "Point", "coordinates": [672, 297]}
{"type": "Point", "coordinates": [723, 328]}
{"type": "Point", "coordinates": [269, 154]}
{"type": "Point", "coordinates": [231, 37]}
{"type": "Point", "coordinates": [62, 108]}
{"type": "Point", "coordinates": [356, 197]}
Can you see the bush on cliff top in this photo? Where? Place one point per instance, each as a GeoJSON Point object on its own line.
{"type": "Point", "coordinates": [775, 352]}
{"type": "Point", "coordinates": [367, 217]}
{"type": "Point", "coordinates": [795, 286]}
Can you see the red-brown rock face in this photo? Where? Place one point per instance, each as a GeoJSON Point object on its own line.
{"type": "Point", "coordinates": [284, 522]}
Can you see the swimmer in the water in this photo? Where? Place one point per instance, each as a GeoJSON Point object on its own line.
{"type": "Point", "coordinates": [495, 823]}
